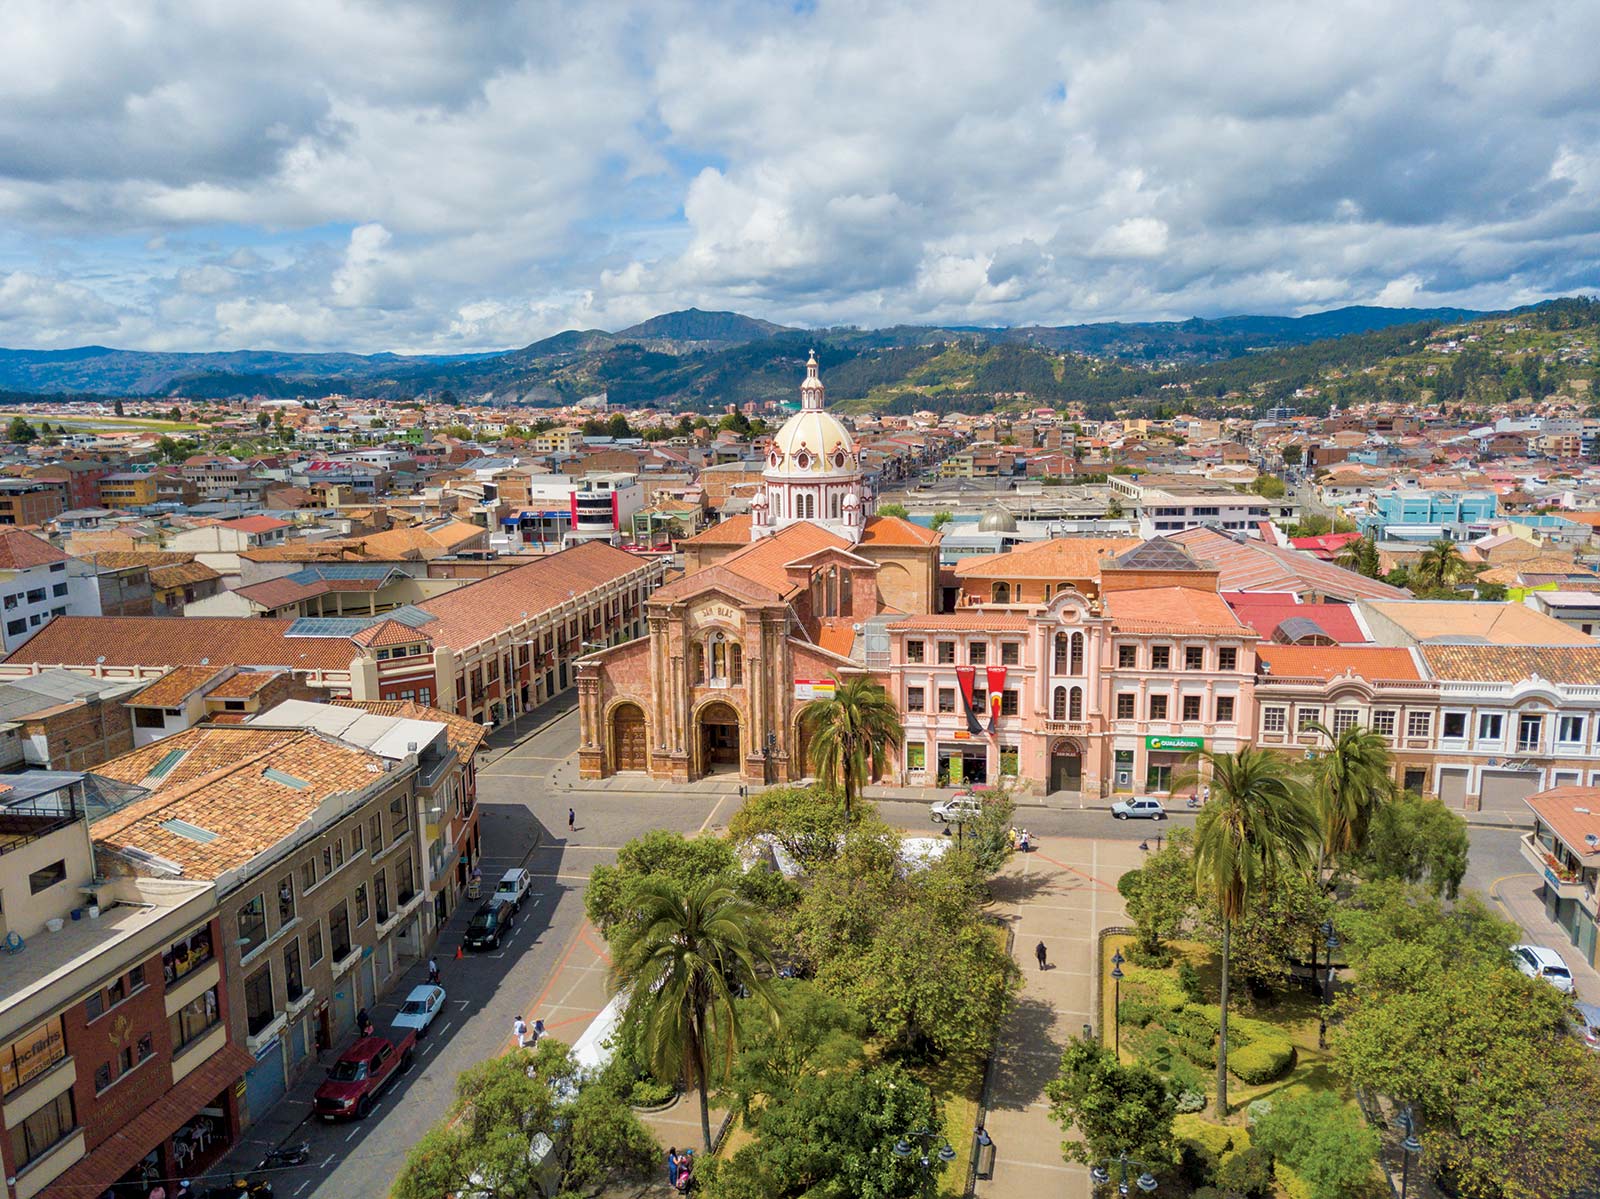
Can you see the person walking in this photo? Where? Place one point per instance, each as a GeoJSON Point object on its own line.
{"type": "Point", "coordinates": [1041, 953]}
{"type": "Point", "coordinates": [672, 1166]}
{"type": "Point", "coordinates": [519, 1029]}
{"type": "Point", "coordinates": [433, 971]}
{"type": "Point", "coordinates": [1024, 841]}
{"type": "Point", "coordinates": [538, 1030]}
{"type": "Point", "coordinates": [985, 1142]}
{"type": "Point", "coordinates": [572, 821]}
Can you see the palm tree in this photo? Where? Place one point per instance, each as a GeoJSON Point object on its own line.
{"type": "Point", "coordinates": [1359, 555]}
{"type": "Point", "coordinates": [1351, 780]}
{"type": "Point", "coordinates": [1259, 823]}
{"type": "Point", "coordinates": [685, 961]}
{"type": "Point", "coordinates": [853, 735]}
{"type": "Point", "coordinates": [1441, 563]}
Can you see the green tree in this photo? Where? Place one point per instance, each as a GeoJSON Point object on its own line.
{"type": "Point", "coordinates": [1160, 896]}
{"type": "Point", "coordinates": [262, 420]}
{"type": "Point", "coordinates": [20, 432]}
{"type": "Point", "coordinates": [1269, 487]}
{"type": "Point", "coordinates": [1323, 1140]}
{"type": "Point", "coordinates": [175, 414]}
{"type": "Point", "coordinates": [1417, 840]}
{"type": "Point", "coordinates": [605, 1137]}
{"type": "Point", "coordinates": [1312, 525]}
{"type": "Point", "coordinates": [1257, 828]}
{"type": "Point", "coordinates": [1115, 1108]}
{"type": "Point", "coordinates": [854, 735]}
{"type": "Point", "coordinates": [615, 893]}
{"type": "Point", "coordinates": [683, 963]}
{"type": "Point", "coordinates": [1351, 780]}
{"type": "Point", "coordinates": [833, 1137]}
{"type": "Point", "coordinates": [811, 1032]}
{"type": "Point", "coordinates": [1361, 556]}
{"type": "Point", "coordinates": [1441, 564]}
{"type": "Point", "coordinates": [940, 519]}
{"type": "Point", "coordinates": [1114, 508]}
{"type": "Point", "coordinates": [1293, 454]}
{"type": "Point", "coordinates": [987, 837]}
{"type": "Point", "coordinates": [1274, 932]}
{"type": "Point", "coordinates": [1388, 912]}
{"type": "Point", "coordinates": [808, 823]}
{"type": "Point", "coordinates": [1491, 592]}
{"type": "Point", "coordinates": [896, 510]}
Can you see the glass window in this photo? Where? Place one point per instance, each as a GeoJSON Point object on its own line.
{"type": "Point", "coordinates": [187, 955]}
{"type": "Point", "coordinates": [1419, 724]}
{"type": "Point", "coordinates": [308, 874]}
{"type": "Point", "coordinates": [1158, 707]}
{"type": "Point", "coordinates": [136, 977]}
{"type": "Point", "coordinates": [1530, 731]}
{"type": "Point", "coordinates": [977, 653]}
{"type": "Point", "coordinates": [1160, 657]}
{"type": "Point", "coordinates": [380, 892]}
{"type": "Point", "coordinates": [1491, 726]}
{"type": "Point", "coordinates": [31, 1054]}
{"type": "Point", "coordinates": [1344, 719]}
{"type": "Point", "coordinates": [1227, 658]}
{"type": "Point", "coordinates": [1010, 653]}
{"type": "Point", "coordinates": [357, 842]}
{"type": "Point", "coordinates": [915, 699]}
{"type": "Point", "coordinates": [339, 932]}
{"type": "Point", "coordinates": [1274, 720]}
{"type": "Point", "coordinates": [253, 924]}
{"type": "Point", "coordinates": [1304, 718]}
{"type": "Point", "coordinates": [285, 899]}
{"type": "Point", "coordinates": [1008, 703]}
{"type": "Point", "coordinates": [95, 1006]}
{"type": "Point", "coordinates": [1194, 657]}
{"type": "Point", "coordinates": [47, 876]}
{"type": "Point", "coordinates": [1191, 707]}
{"type": "Point", "coordinates": [338, 852]}
{"type": "Point", "coordinates": [43, 1130]}
{"type": "Point", "coordinates": [258, 1006]}
{"type": "Point", "coordinates": [916, 755]}
{"type": "Point", "coordinates": [327, 860]}
{"type": "Point", "coordinates": [1127, 657]}
{"type": "Point", "coordinates": [363, 905]}
{"type": "Point", "coordinates": [1570, 730]}
{"type": "Point", "coordinates": [193, 1019]}
{"type": "Point", "coordinates": [1383, 723]}
{"type": "Point", "coordinates": [980, 700]}
{"type": "Point", "coordinates": [947, 699]}
{"type": "Point", "coordinates": [147, 1046]}
{"type": "Point", "coordinates": [314, 944]}
{"type": "Point", "coordinates": [404, 880]}
{"type": "Point", "coordinates": [399, 816]}
{"type": "Point", "coordinates": [1224, 709]}
{"type": "Point", "coordinates": [1454, 724]}
{"type": "Point", "coordinates": [375, 835]}
{"type": "Point", "coordinates": [293, 987]}
{"type": "Point", "coordinates": [102, 1076]}
{"type": "Point", "coordinates": [1125, 706]}
{"type": "Point", "coordinates": [116, 992]}
{"type": "Point", "coordinates": [947, 653]}
{"type": "Point", "coordinates": [915, 650]}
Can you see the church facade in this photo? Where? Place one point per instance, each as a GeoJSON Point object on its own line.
{"type": "Point", "coordinates": [775, 607]}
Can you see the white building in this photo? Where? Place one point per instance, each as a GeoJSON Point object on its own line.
{"type": "Point", "coordinates": [38, 582]}
{"type": "Point", "coordinates": [813, 472]}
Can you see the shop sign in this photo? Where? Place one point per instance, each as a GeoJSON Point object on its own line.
{"type": "Point", "coordinates": [1186, 744]}
{"type": "Point", "coordinates": [810, 689]}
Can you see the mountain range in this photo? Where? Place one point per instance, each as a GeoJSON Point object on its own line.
{"type": "Point", "coordinates": [691, 358]}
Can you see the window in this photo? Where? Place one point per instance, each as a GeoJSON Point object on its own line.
{"type": "Point", "coordinates": [327, 860]}
{"type": "Point", "coordinates": [1160, 657]}
{"type": "Point", "coordinates": [1274, 720]}
{"type": "Point", "coordinates": [1224, 709]}
{"type": "Point", "coordinates": [1569, 730]}
{"type": "Point", "coordinates": [102, 1076]}
{"type": "Point", "coordinates": [380, 891]}
{"type": "Point", "coordinates": [363, 905]}
{"type": "Point", "coordinates": [916, 650]}
{"type": "Point", "coordinates": [1344, 719]}
{"type": "Point", "coordinates": [1530, 731]}
{"type": "Point", "coordinates": [1194, 657]}
{"type": "Point", "coordinates": [285, 899]}
{"type": "Point", "coordinates": [399, 816]}
{"type": "Point", "coordinates": [293, 987]}
{"type": "Point", "coordinates": [253, 924]}
{"type": "Point", "coordinates": [1383, 723]}
{"type": "Point", "coordinates": [136, 978]}
{"type": "Point", "coordinates": [43, 1130]}
{"type": "Point", "coordinates": [1125, 705]}
{"type": "Point", "coordinates": [375, 835]}
{"type": "Point", "coordinates": [947, 653]}
{"type": "Point", "coordinates": [193, 1019]}
{"type": "Point", "coordinates": [1227, 658]}
{"type": "Point", "coordinates": [147, 1046]}
{"type": "Point", "coordinates": [404, 881]}
{"type": "Point", "coordinates": [1158, 707]}
{"type": "Point", "coordinates": [1304, 718]}
{"type": "Point", "coordinates": [1128, 657]}
{"type": "Point", "coordinates": [339, 932]}
{"type": "Point", "coordinates": [980, 699]}
{"type": "Point", "coordinates": [15, 627]}
{"type": "Point", "coordinates": [58, 590]}
{"type": "Point", "coordinates": [978, 653]}
{"type": "Point", "coordinates": [356, 843]}
{"type": "Point", "coordinates": [338, 852]}
{"type": "Point", "coordinates": [149, 718]}
{"type": "Point", "coordinates": [1191, 707]}
{"type": "Point", "coordinates": [916, 755]}
{"type": "Point", "coordinates": [1010, 653]}
{"type": "Point", "coordinates": [1416, 780]}
{"type": "Point", "coordinates": [1491, 726]}
{"type": "Point", "coordinates": [1454, 724]}
{"type": "Point", "coordinates": [308, 874]}
{"type": "Point", "coordinates": [258, 1006]}
{"type": "Point", "coordinates": [947, 699]}
{"type": "Point", "coordinates": [36, 596]}
{"type": "Point", "coordinates": [1009, 757]}
{"type": "Point", "coordinates": [314, 944]}
{"type": "Point", "coordinates": [31, 1054]}
{"type": "Point", "coordinates": [47, 876]}
{"type": "Point", "coordinates": [915, 699]}
{"type": "Point", "coordinates": [1077, 653]}
{"type": "Point", "coordinates": [187, 956]}
{"type": "Point", "coordinates": [1008, 703]}
{"type": "Point", "coordinates": [1075, 704]}
{"type": "Point", "coordinates": [1419, 724]}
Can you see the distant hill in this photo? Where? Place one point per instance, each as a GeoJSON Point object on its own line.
{"type": "Point", "coordinates": [693, 325]}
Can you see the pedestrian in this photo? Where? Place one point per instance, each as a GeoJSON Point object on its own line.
{"type": "Point", "coordinates": [519, 1029]}
{"type": "Point", "coordinates": [672, 1166]}
{"type": "Point", "coordinates": [160, 1192]}
{"type": "Point", "coordinates": [985, 1142]}
{"type": "Point", "coordinates": [1041, 953]}
{"type": "Point", "coordinates": [1024, 840]}
{"type": "Point", "coordinates": [572, 821]}
{"type": "Point", "coordinates": [538, 1030]}
{"type": "Point", "coordinates": [1205, 793]}
{"type": "Point", "coordinates": [1013, 836]}
{"type": "Point", "coordinates": [433, 971]}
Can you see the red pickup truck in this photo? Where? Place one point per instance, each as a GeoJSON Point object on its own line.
{"type": "Point", "coordinates": [363, 1070]}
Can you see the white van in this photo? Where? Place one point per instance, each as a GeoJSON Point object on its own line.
{"type": "Point", "coordinates": [513, 887]}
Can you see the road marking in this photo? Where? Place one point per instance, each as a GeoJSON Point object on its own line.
{"type": "Point", "coordinates": [324, 1165]}
{"type": "Point", "coordinates": [602, 954]}
{"type": "Point", "coordinates": [1093, 865]}
{"type": "Point", "coordinates": [302, 1186]}
{"type": "Point", "coordinates": [447, 1024]}
{"type": "Point", "coordinates": [1494, 892]}
{"type": "Point", "coordinates": [711, 815]}
{"type": "Point", "coordinates": [577, 939]}
{"type": "Point", "coordinates": [465, 1004]}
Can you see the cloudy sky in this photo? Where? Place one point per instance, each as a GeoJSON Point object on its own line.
{"type": "Point", "coordinates": [449, 176]}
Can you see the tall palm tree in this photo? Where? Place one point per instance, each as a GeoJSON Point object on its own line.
{"type": "Point", "coordinates": [854, 735]}
{"type": "Point", "coordinates": [1350, 781]}
{"type": "Point", "coordinates": [1259, 823]}
{"type": "Point", "coordinates": [685, 961]}
{"type": "Point", "coordinates": [1359, 555]}
{"type": "Point", "coordinates": [1441, 563]}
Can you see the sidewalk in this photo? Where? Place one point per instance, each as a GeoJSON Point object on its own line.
{"type": "Point", "coordinates": [507, 737]}
{"type": "Point", "coordinates": [1063, 893]}
{"type": "Point", "coordinates": [1519, 898]}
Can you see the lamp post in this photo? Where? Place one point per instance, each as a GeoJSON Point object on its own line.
{"type": "Point", "coordinates": [1331, 942]}
{"type": "Point", "coordinates": [1407, 1123]}
{"type": "Point", "coordinates": [1101, 1174]}
{"type": "Point", "coordinates": [1116, 1003]}
{"type": "Point", "coordinates": [924, 1153]}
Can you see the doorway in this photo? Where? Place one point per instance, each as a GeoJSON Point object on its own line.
{"type": "Point", "coordinates": [719, 738]}
{"type": "Point", "coordinates": [1066, 770]}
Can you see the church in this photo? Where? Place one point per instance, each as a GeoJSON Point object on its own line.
{"type": "Point", "coordinates": [773, 608]}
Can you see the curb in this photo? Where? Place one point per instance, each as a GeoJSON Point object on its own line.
{"type": "Point", "coordinates": [492, 756]}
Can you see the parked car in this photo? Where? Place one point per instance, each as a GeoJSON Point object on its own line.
{"type": "Point", "coordinates": [957, 809]}
{"type": "Point", "coordinates": [420, 1007]}
{"type": "Point", "coordinates": [1144, 808]}
{"type": "Point", "coordinates": [1587, 1024]}
{"type": "Point", "coordinates": [513, 887]}
{"type": "Point", "coordinates": [361, 1072]}
{"type": "Point", "coordinates": [490, 925]}
{"type": "Point", "coordinates": [1538, 962]}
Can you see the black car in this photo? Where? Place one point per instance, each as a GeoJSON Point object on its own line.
{"type": "Point", "coordinates": [491, 923]}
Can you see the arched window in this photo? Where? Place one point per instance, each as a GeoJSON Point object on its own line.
{"type": "Point", "coordinates": [1075, 704]}
{"type": "Point", "coordinates": [1058, 704]}
{"type": "Point", "coordinates": [736, 664]}
{"type": "Point", "coordinates": [1002, 593]}
{"type": "Point", "coordinates": [1077, 653]}
{"type": "Point", "coordinates": [847, 592]}
{"type": "Point", "coordinates": [833, 506]}
{"type": "Point", "coordinates": [697, 663]}
{"type": "Point", "coordinates": [1061, 653]}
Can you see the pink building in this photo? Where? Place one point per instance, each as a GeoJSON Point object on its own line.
{"type": "Point", "coordinates": [1096, 696]}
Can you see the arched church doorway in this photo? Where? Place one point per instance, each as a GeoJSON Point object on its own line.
{"type": "Point", "coordinates": [719, 737]}
{"type": "Point", "coordinates": [628, 750]}
{"type": "Point", "coordinates": [1066, 768]}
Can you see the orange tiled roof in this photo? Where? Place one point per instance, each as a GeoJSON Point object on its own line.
{"type": "Point", "coordinates": [19, 550]}
{"type": "Point", "coordinates": [978, 619]}
{"type": "Point", "coordinates": [1572, 813]}
{"type": "Point", "coordinates": [764, 561]}
{"type": "Point", "coordinates": [243, 684]}
{"type": "Point", "coordinates": [1180, 607]}
{"type": "Point", "coordinates": [1513, 663]}
{"type": "Point", "coordinates": [733, 531]}
{"type": "Point", "coordinates": [180, 573]}
{"type": "Point", "coordinates": [255, 524]}
{"type": "Point", "coordinates": [390, 632]}
{"type": "Point", "coordinates": [122, 559]}
{"type": "Point", "coordinates": [894, 530]}
{"type": "Point", "coordinates": [182, 640]}
{"type": "Point", "coordinates": [1330, 661]}
{"type": "Point", "coordinates": [1060, 558]}
{"type": "Point", "coordinates": [465, 736]}
{"type": "Point", "coordinates": [1491, 623]}
{"type": "Point", "coordinates": [172, 688]}
{"type": "Point", "coordinates": [837, 635]}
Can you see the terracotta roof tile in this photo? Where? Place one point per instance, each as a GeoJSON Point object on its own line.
{"type": "Point", "coordinates": [968, 619]}
{"type": "Point", "coordinates": [1330, 661]}
{"type": "Point", "coordinates": [894, 530]}
{"type": "Point", "coordinates": [837, 635]}
{"type": "Point", "coordinates": [1573, 814]}
{"type": "Point", "coordinates": [733, 531]}
{"type": "Point", "coordinates": [256, 524]}
{"type": "Point", "coordinates": [243, 684]}
{"type": "Point", "coordinates": [1513, 663]}
{"type": "Point", "coordinates": [1181, 607]}
{"type": "Point", "coordinates": [182, 640]}
{"type": "Point", "coordinates": [181, 573]}
{"type": "Point", "coordinates": [1060, 558]}
{"type": "Point", "coordinates": [390, 632]}
{"type": "Point", "coordinates": [172, 688]}
{"type": "Point", "coordinates": [1491, 623]}
{"type": "Point", "coordinates": [764, 560]}
{"type": "Point", "coordinates": [122, 559]}
{"type": "Point", "coordinates": [1256, 566]}
{"type": "Point", "coordinates": [19, 550]}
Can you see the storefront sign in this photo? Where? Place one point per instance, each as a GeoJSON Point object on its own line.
{"type": "Point", "coordinates": [809, 689]}
{"type": "Point", "coordinates": [1181, 744]}
{"type": "Point", "coordinates": [31, 1055]}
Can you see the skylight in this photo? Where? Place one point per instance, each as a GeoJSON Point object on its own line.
{"type": "Point", "coordinates": [288, 780]}
{"type": "Point", "coordinates": [192, 832]}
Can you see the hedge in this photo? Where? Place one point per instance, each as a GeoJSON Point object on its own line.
{"type": "Point", "coordinates": [1261, 1061]}
{"type": "Point", "coordinates": [1290, 1183]}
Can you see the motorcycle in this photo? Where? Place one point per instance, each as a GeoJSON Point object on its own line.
{"type": "Point", "coordinates": [286, 1155]}
{"type": "Point", "coordinates": [243, 1188]}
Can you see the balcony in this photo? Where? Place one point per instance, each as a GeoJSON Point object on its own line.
{"type": "Point", "coordinates": [1564, 882]}
{"type": "Point", "coordinates": [1075, 728]}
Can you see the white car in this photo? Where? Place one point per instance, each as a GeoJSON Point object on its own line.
{"type": "Point", "coordinates": [1538, 962]}
{"type": "Point", "coordinates": [421, 1006]}
{"type": "Point", "coordinates": [513, 888]}
{"type": "Point", "coordinates": [1139, 809]}
{"type": "Point", "coordinates": [958, 809]}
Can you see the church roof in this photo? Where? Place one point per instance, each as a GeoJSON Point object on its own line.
{"type": "Point", "coordinates": [893, 530]}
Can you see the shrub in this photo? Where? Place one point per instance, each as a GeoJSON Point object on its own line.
{"type": "Point", "coordinates": [1261, 1061]}
{"type": "Point", "coordinates": [1289, 1183]}
{"type": "Point", "coordinates": [1257, 1109]}
{"type": "Point", "coordinates": [1207, 1193]}
{"type": "Point", "coordinates": [647, 1092]}
{"type": "Point", "coordinates": [1202, 1146]}
{"type": "Point", "coordinates": [1323, 1140]}
{"type": "Point", "coordinates": [1189, 981]}
{"type": "Point", "coordinates": [1247, 1174]}
{"type": "Point", "coordinates": [1191, 1101]}
{"type": "Point", "coordinates": [1136, 1013]}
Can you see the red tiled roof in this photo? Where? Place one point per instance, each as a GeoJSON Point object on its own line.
{"type": "Point", "coordinates": [893, 530]}
{"type": "Point", "coordinates": [1265, 611]}
{"type": "Point", "coordinates": [1183, 608]}
{"type": "Point", "coordinates": [1330, 661]}
{"type": "Point", "coordinates": [837, 635]}
{"type": "Point", "coordinates": [390, 632]}
{"type": "Point", "coordinates": [764, 561]}
{"type": "Point", "coordinates": [733, 531]}
{"type": "Point", "coordinates": [1573, 814]}
{"type": "Point", "coordinates": [182, 640]}
{"type": "Point", "coordinates": [19, 551]}
{"type": "Point", "coordinates": [172, 688]}
{"type": "Point", "coordinates": [977, 619]}
{"type": "Point", "coordinates": [255, 524]}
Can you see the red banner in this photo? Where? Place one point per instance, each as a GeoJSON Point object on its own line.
{"type": "Point", "coordinates": [997, 684]}
{"type": "Point", "coordinates": [965, 676]}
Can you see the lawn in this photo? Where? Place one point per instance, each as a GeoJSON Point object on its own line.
{"type": "Point", "coordinates": [141, 424]}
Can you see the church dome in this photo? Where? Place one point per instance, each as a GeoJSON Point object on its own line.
{"type": "Point", "coordinates": [997, 520]}
{"type": "Point", "coordinates": [812, 442]}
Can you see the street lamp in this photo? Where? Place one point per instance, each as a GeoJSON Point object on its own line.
{"type": "Point", "coordinates": [924, 1152]}
{"type": "Point", "coordinates": [1116, 1002]}
{"type": "Point", "coordinates": [1407, 1123]}
{"type": "Point", "coordinates": [1101, 1174]}
{"type": "Point", "coordinates": [1331, 942]}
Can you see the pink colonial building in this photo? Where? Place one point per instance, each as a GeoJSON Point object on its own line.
{"type": "Point", "coordinates": [1084, 694]}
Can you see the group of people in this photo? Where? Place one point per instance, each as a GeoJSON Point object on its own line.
{"type": "Point", "coordinates": [680, 1169]}
{"type": "Point", "coordinates": [1020, 840]}
{"type": "Point", "coordinates": [520, 1030]}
